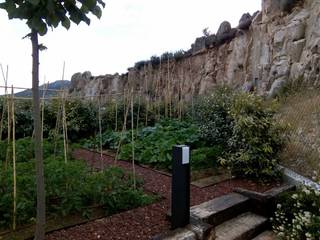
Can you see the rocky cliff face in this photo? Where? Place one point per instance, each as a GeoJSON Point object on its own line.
{"type": "Point", "coordinates": [278, 45]}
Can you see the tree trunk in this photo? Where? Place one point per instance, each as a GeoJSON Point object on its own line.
{"type": "Point", "coordinates": [41, 214]}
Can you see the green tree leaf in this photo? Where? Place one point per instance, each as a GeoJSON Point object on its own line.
{"type": "Point", "coordinates": [66, 23]}
{"type": "Point", "coordinates": [34, 2]}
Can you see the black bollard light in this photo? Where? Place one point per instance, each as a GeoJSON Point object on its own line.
{"type": "Point", "coordinates": [180, 192]}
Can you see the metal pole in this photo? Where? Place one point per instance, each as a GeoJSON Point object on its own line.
{"type": "Point", "coordinates": [180, 201]}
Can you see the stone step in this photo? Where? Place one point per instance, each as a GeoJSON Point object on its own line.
{"type": "Point", "coordinates": [178, 234]}
{"type": "Point", "coordinates": [220, 209]}
{"type": "Point", "coordinates": [243, 227]}
{"type": "Point", "coordinates": [267, 235]}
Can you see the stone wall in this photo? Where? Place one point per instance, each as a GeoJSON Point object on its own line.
{"type": "Point", "coordinates": [267, 50]}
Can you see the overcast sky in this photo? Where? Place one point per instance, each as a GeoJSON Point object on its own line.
{"type": "Point", "coordinates": [129, 31]}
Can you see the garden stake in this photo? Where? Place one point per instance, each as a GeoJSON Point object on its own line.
{"type": "Point", "coordinates": [116, 120]}
{"type": "Point", "coordinates": [123, 129]}
{"type": "Point", "coordinates": [100, 133]}
{"type": "Point", "coordinates": [64, 127]}
{"type": "Point", "coordinates": [9, 124]}
{"type": "Point", "coordinates": [138, 113]}
{"type": "Point", "coordinates": [57, 128]}
{"type": "Point", "coordinates": [14, 162]}
{"type": "Point", "coordinates": [132, 142]}
{"type": "Point", "coordinates": [4, 100]}
{"type": "Point", "coordinates": [45, 87]}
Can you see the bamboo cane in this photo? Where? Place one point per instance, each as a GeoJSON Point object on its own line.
{"type": "Point", "coordinates": [123, 129]}
{"type": "Point", "coordinates": [64, 127]}
{"type": "Point", "coordinates": [14, 163]}
{"type": "Point", "coordinates": [138, 112]}
{"type": "Point", "coordinates": [100, 134]}
{"type": "Point", "coordinates": [9, 123]}
{"type": "Point", "coordinates": [132, 143]}
{"type": "Point", "coordinates": [116, 117]}
{"type": "Point", "coordinates": [42, 108]}
{"type": "Point", "coordinates": [4, 101]}
{"type": "Point", "coordinates": [146, 95]}
{"type": "Point", "coordinates": [57, 128]}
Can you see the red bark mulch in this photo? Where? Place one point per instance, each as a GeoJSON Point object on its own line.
{"type": "Point", "coordinates": [144, 222]}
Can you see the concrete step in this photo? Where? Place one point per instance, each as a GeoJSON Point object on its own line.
{"type": "Point", "coordinates": [243, 227]}
{"type": "Point", "coordinates": [220, 209]}
{"type": "Point", "coordinates": [267, 235]}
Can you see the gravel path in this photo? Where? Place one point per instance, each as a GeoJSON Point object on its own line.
{"type": "Point", "coordinates": [144, 222]}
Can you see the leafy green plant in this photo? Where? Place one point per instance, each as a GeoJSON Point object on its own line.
{"type": "Point", "coordinates": [153, 145]}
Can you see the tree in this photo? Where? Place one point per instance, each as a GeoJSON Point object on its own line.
{"type": "Point", "coordinates": [39, 15]}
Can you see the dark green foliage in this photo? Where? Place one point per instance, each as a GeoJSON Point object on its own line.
{"type": "Point", "coordinates": [141, 64]}
{"type": "Point", "coordinates": [43, 14]}
{"type": "Point", "coordinates": [23, 117]}
{"type": "Point", "coordinates": [167, 56]}
{"type": "Point", "coordinates": [82, 119]}
{"type": "Point", "coordinates": [211, 113]}
{"type": "Point", "coordinates": [70, 188]}
{"type": "Point", "coordinates": [178, 55]}
{"type": "Point", "coordinates": [155, 61]}
{"type": "Point", "coordinates": [206, 157]}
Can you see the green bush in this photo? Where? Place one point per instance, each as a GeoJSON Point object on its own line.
{"type": "Point", "coordinates": [298, 215]}
{"type": "Point", "coordinates": [256, 138]}
{"type": "Point", "coordinates": [243, 126]}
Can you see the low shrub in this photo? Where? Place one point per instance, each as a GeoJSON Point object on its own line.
{"type": "Point", "coordinates": [70, 188]}
{"type": "Point", "coordinates": [25, 149]}
{"type": "Point", "coordinates": [256, 138]}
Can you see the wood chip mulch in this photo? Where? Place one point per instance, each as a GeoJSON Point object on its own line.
{"type": "Point", "coordinates": [144, 222]}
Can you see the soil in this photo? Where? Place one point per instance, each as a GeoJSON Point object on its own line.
{"type": "Point", "coordinates": [144, 222]}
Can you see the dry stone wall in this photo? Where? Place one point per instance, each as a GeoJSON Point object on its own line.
{"type": "Point", "coordinates": [277, 45]}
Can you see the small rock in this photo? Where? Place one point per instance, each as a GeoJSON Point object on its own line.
{"type": "Point", "coordinates": [277, 88]}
